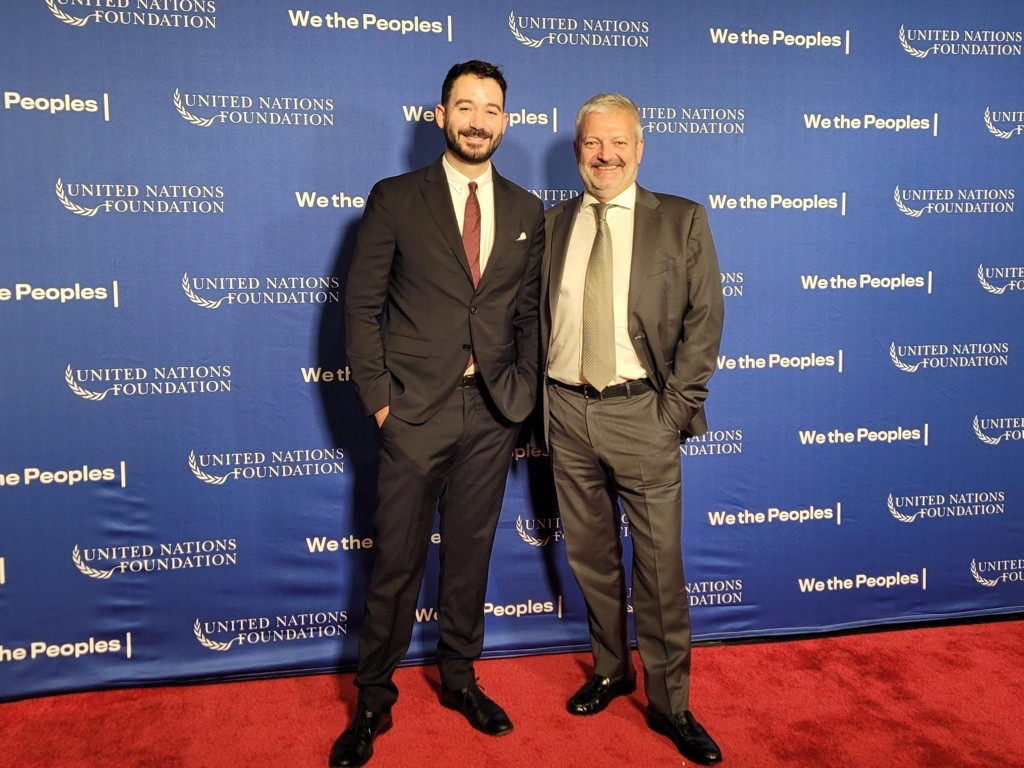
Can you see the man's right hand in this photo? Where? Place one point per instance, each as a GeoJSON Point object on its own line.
{"type": "Point", "coordinates": [381, 415]}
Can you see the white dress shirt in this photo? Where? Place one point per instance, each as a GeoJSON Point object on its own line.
{"type": "Point", "coordinates": [458, 186]}
{"type": "Point", "coordinates": [566, 348]}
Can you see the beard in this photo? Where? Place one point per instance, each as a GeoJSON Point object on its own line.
{"type": "Point", "coordinates": [451, 138]}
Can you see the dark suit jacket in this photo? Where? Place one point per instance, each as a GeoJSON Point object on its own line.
{"type": "Point", "coordinates": [675, 298]}
{"type": "Point", "coordinates": [412, 315]}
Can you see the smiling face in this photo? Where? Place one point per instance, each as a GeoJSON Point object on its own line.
{"type": "Point", "coordinates": [473, 122]}
{"type": "Point", "coordinates": [608, 153]}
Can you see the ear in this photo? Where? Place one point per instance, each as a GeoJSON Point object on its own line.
{"type": "Point", "coordinates": [639, 151]}
{"type": "Point", "coordinates": [439, 115]}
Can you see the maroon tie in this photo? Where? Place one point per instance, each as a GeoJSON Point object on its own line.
{"type": "Point", "coordinates": [471, 233]}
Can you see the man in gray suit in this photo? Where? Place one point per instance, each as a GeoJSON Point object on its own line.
{"type": "Point", "coordinates": [631, 319]}
{"type": "Point", "coordinates": [441, 304]}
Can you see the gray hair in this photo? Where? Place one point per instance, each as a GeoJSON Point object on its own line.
{"type": "Point", "coordinates": [604, 103]}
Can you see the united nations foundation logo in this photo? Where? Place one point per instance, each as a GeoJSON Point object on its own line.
{"type": "Point", "coordinates": [294, 289]}
{"type": "Point", "coordinates": [95, 384]}
{"type": "Point", "coordinates": [259, 465]}
{"type": "Point", "coordinates": [993, 117]}
{"type": "Point", "coordinates": [989, 573]}
{"type": "Point", "coordinates": [966, 355]}
{"type": "Point", "coordinates": [1011, 279]}
{"type": "Point", "coordinates": [732, 284]}
{"type": "Point", "coordinates": [174, 14]}
{"type": "Point", "coordinates": [992, 431]}
{"type": "Point", "coordinates": [693, 120]}
{"type": "Point", "coordinates": [242, 109]}
{"type": "Point", "coordinates": [87, 199]}
{"type": "Point", "coordinates": [919, 43]}
{"type": "Point", "coordinates": [553, 196]}
{"type": "Point", "coordinates": [534, 31]}
{"type": "Point", "coordinates": [908, 509]}
{"type": "Point", "coordinates": [716, 442]}
{"type": "Point", "coordinates": [222, 634]}
{"type": "Point", "coordinates": [915, 202]}
{"type": "Point", "coordinates": [539, 532]}
{"type": "Point", "coordinates": [104, 562]}
{"type": "Point", "coordinates": [715, 593]}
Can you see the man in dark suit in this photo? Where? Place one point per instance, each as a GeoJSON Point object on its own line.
{"type": "Point", "coordinates": [441, 305]}
{"type": "Point", "coordinates": [631, 319]}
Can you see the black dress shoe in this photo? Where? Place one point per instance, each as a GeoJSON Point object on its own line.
{"type": "Point", "coordinates": [482, 713]}
{"type": "Point", "coordinates": [597, 692]}
{"type": "Point", "coordinates": [355, 744]}
{"type": "Point", "coordinates": [688, 735]}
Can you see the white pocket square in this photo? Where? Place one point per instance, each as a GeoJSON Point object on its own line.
{"type": "Point", "coordinates": [522, 236]}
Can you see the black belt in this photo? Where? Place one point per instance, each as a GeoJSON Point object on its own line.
{"type": "Point", "coordinates": [473, 380]}
{"type": "Point", "coordinates": [625, 389]}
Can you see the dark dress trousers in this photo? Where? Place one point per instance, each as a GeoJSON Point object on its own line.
{"type": "Point", "coordinates": [625, 450]}
{"type": "Point", "coordinates": [412, 319]}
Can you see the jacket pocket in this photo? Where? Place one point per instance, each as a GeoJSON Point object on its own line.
{"type": "Point", "coordinates": [407, 345]}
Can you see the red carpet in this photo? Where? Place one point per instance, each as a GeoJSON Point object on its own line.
{"type": "Point", "coordinates": [937, 697]}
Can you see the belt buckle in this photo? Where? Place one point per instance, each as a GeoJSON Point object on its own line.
{"type": "Point", "coordinates": [590, 393]}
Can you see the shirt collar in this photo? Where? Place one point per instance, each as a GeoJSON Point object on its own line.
{"type": "Point", "coordinates": [460, 181]}
{"type": "Point", "coordinates": [625, 199]}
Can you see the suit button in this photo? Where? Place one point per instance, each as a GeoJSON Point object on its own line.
{"type": "Point", "coordinates": [466, 347]}
{"type": "Point", "coordinates": [472, 310]}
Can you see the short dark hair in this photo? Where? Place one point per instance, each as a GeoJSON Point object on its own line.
{"type": "Point", "coordinates": [476, 68]}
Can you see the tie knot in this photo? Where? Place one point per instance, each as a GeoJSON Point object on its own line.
{"type": "Point", "coordinates": [600, 209]}
{"type": "Point", "coordinates": [472, 187]}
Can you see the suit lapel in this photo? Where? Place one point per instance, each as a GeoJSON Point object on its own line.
{"type": "Point", "coordinates": [434, 189]}
{"type": "Point", "coordinates": [645, 229]}
{"type": "Point", "coordinates": [504, 214]}
{"type": "Point", "coordinates": [561, 227]}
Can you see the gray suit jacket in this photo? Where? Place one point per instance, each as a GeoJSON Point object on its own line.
{"type": "Point", "coordinates": [675, 299]}
{"type": "Point", "coordinates": [412, 315]}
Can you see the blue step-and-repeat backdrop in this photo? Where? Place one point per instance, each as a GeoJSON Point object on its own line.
{"type": "Point", "coordinates": [185, 480]}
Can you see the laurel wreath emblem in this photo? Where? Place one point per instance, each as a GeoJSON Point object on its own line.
{"type": "Point", "coordinates": [72, 20]}
{"type": "Point", "coordinates": [69, 379]}
{"type": "Point", "coordinates": [202, 122]}
{"type": "Point", "coordinates": [908, 48]}
{"type": "Point", "coordinates": [519, 35]}
{"type": "Point", "coordinates": [988, 286]}
{"type": "Point", "coordinates": [899, 363]}
{"type": "Point", "coordinates": [211, 479]}
{"type": "Point", "coordinates": [206, 642]}
{"type": "Point", "coordinates": [59, 188]}
{"type": "Point", "coordinates": [992, 129]}
{"type": "Point", "coordinates": [983, 437]}
{"type": "Point", "coordinates": [531, 540]}
{"type": "Point", "coordinates": [899, 515]}
{"type": "Point", "coordinates": [76, 558]}
{"type": "Point", "coordinates": [981, 579]}
{"type": "Point", "coordinates": [914, 213]}
{"type": "Point", "coordinates": [197, 299]}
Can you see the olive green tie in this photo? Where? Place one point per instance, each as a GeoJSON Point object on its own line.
{"type": "Point", "coordinates": [598, 318]}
